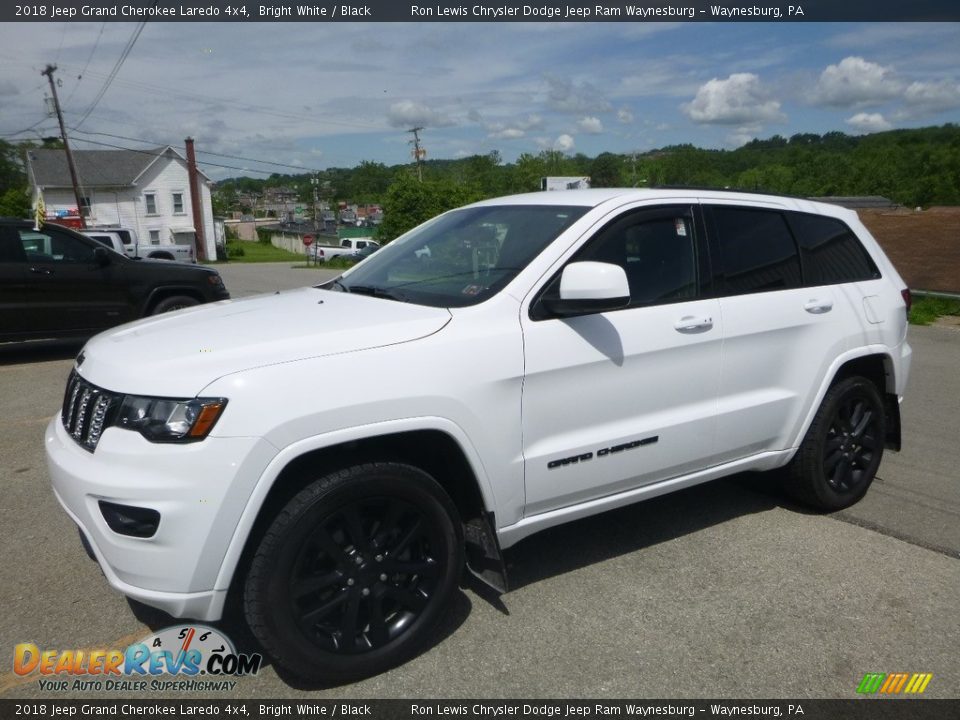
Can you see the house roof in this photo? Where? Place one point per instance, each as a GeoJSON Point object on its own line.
{"type": "Point", "coordinates": [95, 168]}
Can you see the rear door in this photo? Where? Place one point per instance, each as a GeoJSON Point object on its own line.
{"type": "Point", "coordinates": [780, 336]}
{"type": "Point", "coordinates": [18, 292]}
{"type": "Point", "coordinates": [616, 400]}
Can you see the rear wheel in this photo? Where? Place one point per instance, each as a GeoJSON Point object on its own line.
{"type": "Point", "coordinates": [355, 572]}
{"type": "Point", "coordinates": [841, 452]}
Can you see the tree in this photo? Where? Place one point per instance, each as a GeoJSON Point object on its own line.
{"type": "Point", "coordinates": [605, 171]}
{"type": "Point", "coordinates": [409, 202]}
{"type": "Point", "coordinates": [14, 192]}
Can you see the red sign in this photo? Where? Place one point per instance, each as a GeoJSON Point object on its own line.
{"type": "Point", "coordinates": [308, 240]}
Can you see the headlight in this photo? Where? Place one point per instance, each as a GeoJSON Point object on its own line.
{"type": "Point", "coordinates": [165, 420]}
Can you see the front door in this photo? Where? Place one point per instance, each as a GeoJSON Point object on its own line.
{"type": "Point", "coordinates": [617, 400]}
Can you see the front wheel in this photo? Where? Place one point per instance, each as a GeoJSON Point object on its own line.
{"type": "Point", "coordinates": [355, 572]}
{"type": "Point", "coordinates": [841, 452]}
{"type": "Point", "coordinates": [177, 302]}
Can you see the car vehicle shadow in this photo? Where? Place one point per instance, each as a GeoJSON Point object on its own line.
{"type": "Point", "coordinates": [644, 524]}
{"type": "Point", "coordinates": [41, 351]}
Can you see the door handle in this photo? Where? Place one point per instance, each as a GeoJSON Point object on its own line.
{"type": "Point", "coordinates": [818, 307]}
{"type": "Point", "coordinates": [693, 324]}
{"type": "Point", "coordinates": [41, 271]}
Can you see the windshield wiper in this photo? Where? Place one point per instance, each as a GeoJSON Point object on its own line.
{"type": "Point", "coordinates": [374, 291]}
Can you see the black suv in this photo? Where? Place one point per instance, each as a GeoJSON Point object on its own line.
{"type": "Point", "coordinates": [56, 283]}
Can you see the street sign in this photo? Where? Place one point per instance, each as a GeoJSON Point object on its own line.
{"type": "Point", "coordinates": [308, 240]}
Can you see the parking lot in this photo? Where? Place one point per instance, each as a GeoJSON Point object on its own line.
{"type": "Point", "coordinates": [725, 590]}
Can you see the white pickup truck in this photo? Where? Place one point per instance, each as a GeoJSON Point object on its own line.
{"type": "Point", "coordinates": [553, 356]}
{"type": "Point", "coordinates": [347, 246]}
{"type": "Point", "coordinates": [132, 247]}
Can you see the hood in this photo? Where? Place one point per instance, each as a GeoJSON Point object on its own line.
{"type": "Point", "coordinates": [178, 354]}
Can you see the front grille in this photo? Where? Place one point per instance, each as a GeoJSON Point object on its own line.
{"type": "Point", "coordinates": [87, 411]}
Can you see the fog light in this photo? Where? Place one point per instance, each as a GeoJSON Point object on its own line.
{"type": "Point", "coordinates": [128, 520]}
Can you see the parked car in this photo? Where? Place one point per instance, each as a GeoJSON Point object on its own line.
{"type": "Point", "coordinates": [347, 247]}
{"type": "Point", "coordinates": [107, 238]}
{"type": "Point", "coordinates": [56, 283]}
{"type": "Point", "coordinates": [133, 248]}
{"type": "Point", "coordinates": [553, 356]}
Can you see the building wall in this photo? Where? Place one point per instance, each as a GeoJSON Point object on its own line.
{"type": "Point", "coordinates": [126, 206]}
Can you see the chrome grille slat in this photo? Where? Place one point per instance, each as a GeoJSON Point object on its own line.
{"type": "Point", "coordinates": [86, 411]}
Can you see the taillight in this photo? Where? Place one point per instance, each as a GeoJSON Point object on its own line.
{"type": "Point", "coordinates": [907, 299]}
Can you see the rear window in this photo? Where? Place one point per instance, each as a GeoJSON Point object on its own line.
{"type": "Point", "coordinates": [830, 251]}
{"type": "Point", "coordinates": [757, 251]}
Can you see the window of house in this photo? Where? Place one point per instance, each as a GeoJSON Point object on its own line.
{"type": "Point", "coordinates": [757, 251]}
{"type": "Point", "coordinates": [154, 237]}
{"type": "Point", "coordinates": [150, 200]}
{"type": "Point", "coordinates": [178, 203]}
{"type": "Point", "coordinates": [85, 206]}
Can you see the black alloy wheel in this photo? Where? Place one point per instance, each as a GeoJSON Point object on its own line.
{"type": "Point", "coordinates": [841, 452]}
{"type": "Point", "coordinates": [355, 572]}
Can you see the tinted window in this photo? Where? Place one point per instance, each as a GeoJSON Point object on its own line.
{"type": "Point", "coordinates": [757, 251]}
{"type": "Point", "coordinates": [54, 247]}
{"type": "Point", "coordinates": [830, 251]}
{"type": "Point", "coordinates": [656, 251]}
{"type": "Point", "coordinates": [11, 249]}
{"type": "Point", "coordinates": [463, 257]}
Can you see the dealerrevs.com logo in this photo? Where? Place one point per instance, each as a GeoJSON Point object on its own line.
{"type": "Point", "coordinates": [182, 657]}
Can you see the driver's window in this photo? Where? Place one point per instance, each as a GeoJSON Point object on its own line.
{"type": "Point", "coordinates": [51, 246]}
{"type": "Point", "coordinates": [657, 252]}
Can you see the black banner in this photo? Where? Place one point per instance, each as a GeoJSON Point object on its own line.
{"type": "Point", "coordinates": [865, 709]}
{"type": "Point", "coordinates": [485, 11]}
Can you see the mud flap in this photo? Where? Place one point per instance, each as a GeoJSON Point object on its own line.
{"type": "Point", "coordinates": [484, 560]}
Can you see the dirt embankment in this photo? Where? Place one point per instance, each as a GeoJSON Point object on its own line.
{"type": "Point", "coordinates": [924, 246]}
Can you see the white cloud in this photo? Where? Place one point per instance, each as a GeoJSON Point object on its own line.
{"type": "Point", "coordinates": [514, 130]}
{"type": "Point", "coordinates": [624, 115]}
{"type": "Point", "coordinates": [590, 125]}
{"type": "Point", "coordinates": [407, 113]}
{"type": "Point", "coordinates": [856, 82]}
{"type": "Point", "coordinates": [510, 133]}
{"type": "Point", "coordinates": [564, 143]}
{"type": "Point", "coordinates": [738, 100]}
{"type": "Point", "coordinates": [868, 122]}
{"type": "Point", "coordinates": [565, 95]}
{"type": "Point", "coordinates": [932, 96]}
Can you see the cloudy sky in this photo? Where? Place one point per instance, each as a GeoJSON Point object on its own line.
{"type": "Point", "coordinates": [314, 95]}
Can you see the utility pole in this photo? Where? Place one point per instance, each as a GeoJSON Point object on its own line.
{"type": "Point", "coordinates": [66, 144]}
{"type": "Point", "coordinates": [418, 152]}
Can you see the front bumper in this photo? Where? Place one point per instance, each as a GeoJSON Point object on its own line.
{"type": "Point", "coordinates": [199, 489]}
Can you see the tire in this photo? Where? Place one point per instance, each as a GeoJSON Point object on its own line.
{"type": "Point", "coordinates": [176, 302]}
{"type": "Point", "coordinates": [355, 572]}
{"type": "Point", "coordinates": [841, 452]}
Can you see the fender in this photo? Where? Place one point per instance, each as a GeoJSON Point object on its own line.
{"type": "Point", "coordinates": [318, 442]}
{"type": "Point", "coordinates": [827, 381]}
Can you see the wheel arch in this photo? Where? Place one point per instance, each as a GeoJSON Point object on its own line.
{"type": "Point", "coordinates": [875, 364]}
{"type": "Point", "coordinates": [159, 294]}
{"type": "Point", "coordinates": [449, 459]}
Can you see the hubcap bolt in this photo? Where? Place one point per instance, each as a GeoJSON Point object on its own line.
{"type": "Point", "coordinates": [350, 581]}
{"type": "Point", "coordinates": [365, 592]}
{"type": "Point", "coordinates": [359, 560]}
{"type": "Point", "coordinates": [379, 558]}
{"type": "Point", "coordinates": [383, 577]}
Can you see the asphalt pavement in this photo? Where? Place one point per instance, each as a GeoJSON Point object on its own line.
{"type": "Point", "coordinates": [724, 590]}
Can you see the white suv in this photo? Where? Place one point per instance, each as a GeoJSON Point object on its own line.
{"type": "Point", "coordinates": [526, 361]}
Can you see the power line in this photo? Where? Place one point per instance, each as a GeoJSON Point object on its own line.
{"type": "Point", "coordinates": [87, 63]}
{"type": "Point", "coordinates": [113, 73]}
{"type": "Point", "coordinates": [199, 162]}
{"type": "Point", "coordinates": [203, 152]}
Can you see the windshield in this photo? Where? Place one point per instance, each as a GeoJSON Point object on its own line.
{"type": "Point", "coordinates": [461, 258]}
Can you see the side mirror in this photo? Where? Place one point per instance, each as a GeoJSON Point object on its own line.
{"type": "Point", "coordinates": [102, 256]}
{"type": "Point", "coordinates": [590, 287]}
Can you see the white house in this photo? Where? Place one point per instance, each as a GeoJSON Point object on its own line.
{"type": "Point", "coordinates": [146, 190]}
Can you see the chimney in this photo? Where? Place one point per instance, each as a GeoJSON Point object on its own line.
{"type": "Point", "coordinates": [195, 202]}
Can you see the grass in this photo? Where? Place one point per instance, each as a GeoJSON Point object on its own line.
{"type": "Point", "coordinates": [253, 252]}
{"type": "Point", "coordinates": [926, 309]}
